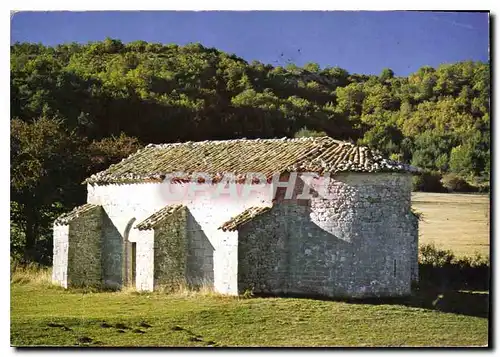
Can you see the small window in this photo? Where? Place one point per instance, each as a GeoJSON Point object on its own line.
{"type": "Point", "coordinates": [280, 193]}
{"type": "Point", "coordinates": [394, 272]}
{"type": "Point", "coordinates": [134, 263]}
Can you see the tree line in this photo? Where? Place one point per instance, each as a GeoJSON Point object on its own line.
{"type": "Point", "coordinates": [77, 108]}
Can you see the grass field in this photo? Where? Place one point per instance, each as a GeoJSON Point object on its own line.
{"type": "Point", "coordinates": [48, 316]}
{"type": "Point", "coordinates": [44, 315]}
{"type": "Point", "coordinates": [459, 222]}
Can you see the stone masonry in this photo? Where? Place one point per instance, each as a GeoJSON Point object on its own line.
{"type": "Point", "coordinates": [77, 249]}
{"type": "Point", "coordinates": [361, 243]}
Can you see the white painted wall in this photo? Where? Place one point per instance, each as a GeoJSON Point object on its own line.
{"type": "Point", "coordinates": [60, 257]}
{"type": "Point", "coordinates": [140, 200]}
{"type": "Point", "coordinates": [144, 260]}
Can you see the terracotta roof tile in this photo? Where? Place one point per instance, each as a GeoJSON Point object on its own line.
{"type": "Point", "coordinates": [158, 216]}
{"type": "Point", "coordinates": [244, 217]}
{"type": "Point", "coordinates": [65, 218]}
{"type": "Point", "coordinates": [240, 156]}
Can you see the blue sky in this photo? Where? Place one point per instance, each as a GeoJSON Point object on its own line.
{"type": "Point", "coordinates": [360, 42]}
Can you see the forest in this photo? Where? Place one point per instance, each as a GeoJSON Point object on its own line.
{"type": "Point", "coordinates": [77, 108]}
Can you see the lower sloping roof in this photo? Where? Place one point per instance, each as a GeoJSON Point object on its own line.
{"type": "Point", "coordinates": [65, 218]}
{"type": "Point", "coordinates": [244, 217]}
{"type": "Point", "coordinates": [157, 217]}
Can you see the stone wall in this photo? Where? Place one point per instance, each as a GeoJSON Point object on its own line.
{"type": "Point", "coordinates": [263, 253]}
{"type": "Point", "coordinates": [360, 243]}
{"type": "Point", "coordinates": [414, 250]}
{"type": "Point", "coordinates": [284, 251]}
{"type": "Point", "coordinates": [170, 250]}
{"type": "Point", "coordinates": [385, 231]}
{"type": "Point", "coordinates": [84, 249]}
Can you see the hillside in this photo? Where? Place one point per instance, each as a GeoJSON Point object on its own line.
{"type": "Point", "coordinates": [75, 109]}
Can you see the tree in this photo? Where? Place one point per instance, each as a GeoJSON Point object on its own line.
{"type": "Point", "coordinates": [47, 164]}
{"type": "Point", "coordinates": [108, 151]}
{"type": "Point", "coordinates": [384, 137]}
{"type": "Point", "coordinates": [312, 67]}
{"type": "Point", "coordinates": [461, 160]}
{"type": "Point", "coordinates": [428, 149]}
{"type": "Point", "coordinates": [386, 75]}
{"type": "Point", "coordinates": [350, 100]}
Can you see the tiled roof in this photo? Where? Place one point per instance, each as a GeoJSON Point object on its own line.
{"type": "Point", "coordinates": [157, 217]}
{"type": "Point", "coordinates": [65, 218]}
{"type": "Point", "coordinates": [241, 156]}
{"type": "Point", "coordinates": [245, 216]}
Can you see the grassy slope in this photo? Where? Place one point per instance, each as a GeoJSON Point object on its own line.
{"type": "Point", "coordinates": [226, 321]}
{"type": "Point", "coordinates": [458, 222]}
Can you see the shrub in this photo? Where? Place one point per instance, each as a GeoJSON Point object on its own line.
{"type": "Point", "coordinates": [455, 183]}
{"type": "Point", "coordinates": [428, 182]}
{"type": "Point", "coordinates": [305, 132]}
{"type": "Point", "coordinates": [440, 268]}
{"type": "Point", "coordinates": [483, 187]}
{"type": "Point", "coordinates": [475, 261]}
{"type": "Point", "coordinates": [430, 255]}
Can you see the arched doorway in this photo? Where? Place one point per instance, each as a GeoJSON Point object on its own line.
{"type": "Point", "coordinates": [129, 255]}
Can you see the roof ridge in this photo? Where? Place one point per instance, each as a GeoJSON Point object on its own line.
{"type": "Point", "coordinates": [158, 216]}
{"type": "Point", "coordinates": [244, 217]}
{"type": "Point", "coordinates": [67, 217]}
{"type": "Point", "coordinates": [224, 141]}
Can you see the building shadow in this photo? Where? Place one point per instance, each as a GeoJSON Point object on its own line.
{"type": "Point", "coordinates": [439, 293]}
{"type": "Point", "coordinates": [112, 254]}
{"type": "Point", "coordinates": [200, 255]}
{"type": "Point", "coordinates": [460, 275]}
{"type": "Point", "coordinates": [469, 303]}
